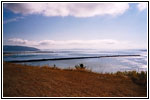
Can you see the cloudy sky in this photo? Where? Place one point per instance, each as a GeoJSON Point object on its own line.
{"type": "Point", "coordinates": [76, 25]}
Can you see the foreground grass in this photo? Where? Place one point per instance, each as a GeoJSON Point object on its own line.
{"type": "Point", "coordinates": [28, 81]}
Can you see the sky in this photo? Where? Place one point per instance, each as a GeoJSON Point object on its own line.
{"type": "Point", "coordinates": [76, 25]}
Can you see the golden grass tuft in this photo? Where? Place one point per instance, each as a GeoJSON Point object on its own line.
{"type": "Point", "coordinates": [137, 77]}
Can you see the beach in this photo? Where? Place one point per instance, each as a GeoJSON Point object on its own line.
{"type": "Point", "coordinates": [28, 81]}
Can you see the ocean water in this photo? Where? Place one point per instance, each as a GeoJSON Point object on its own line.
{"type": "Point", "coordinates": [102, 65]}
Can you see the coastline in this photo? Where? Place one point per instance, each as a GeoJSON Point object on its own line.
{"type": "Point", "coordinates": [29, 81]}
{"type": "Point", "coordinates": [70, 58]}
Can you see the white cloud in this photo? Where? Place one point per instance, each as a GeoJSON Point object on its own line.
{"type": "Point", "coordinates": [65, 42]}
{"type": "Point", "coordinates": [142, 6]}
{"type": "Point", "coordinates": [18, 41]}
{"type": "Point", "coordinates": [12, 20]}
{"type": "Point", "coordinates": [68, 9]}
{"type": "Point", "coordinates": [77, 42]}
{"type": "Point", "coordinates": [69, 44]}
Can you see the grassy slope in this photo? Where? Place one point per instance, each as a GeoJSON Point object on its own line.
{"type": "Point", "coordinates": [26, 81]}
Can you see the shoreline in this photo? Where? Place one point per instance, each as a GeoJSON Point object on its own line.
{"type": "Point", "coordinates": [70, 58]}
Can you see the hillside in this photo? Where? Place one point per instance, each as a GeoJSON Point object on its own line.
{"type": "Point", "coordinates": [28, 81]}
{"type": "Point", "coordinates": [18, 48]}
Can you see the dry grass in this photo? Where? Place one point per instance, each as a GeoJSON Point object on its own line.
{"type": "Point", "coordinates": [28, 81]}
{"type": "Point", "coordinates": [139, 78]}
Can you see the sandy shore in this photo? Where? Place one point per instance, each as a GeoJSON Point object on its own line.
{"type": "Point", "coordinates": [28, 81]}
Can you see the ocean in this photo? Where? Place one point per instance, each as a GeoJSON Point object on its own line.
{"type": "Point", "coordinates": [101, 65]}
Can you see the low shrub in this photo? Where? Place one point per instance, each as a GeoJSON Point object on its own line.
{"type": "Point", "coordinates": [80, 66]}
{"type": "Point", "coordinates": [137, 77]}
